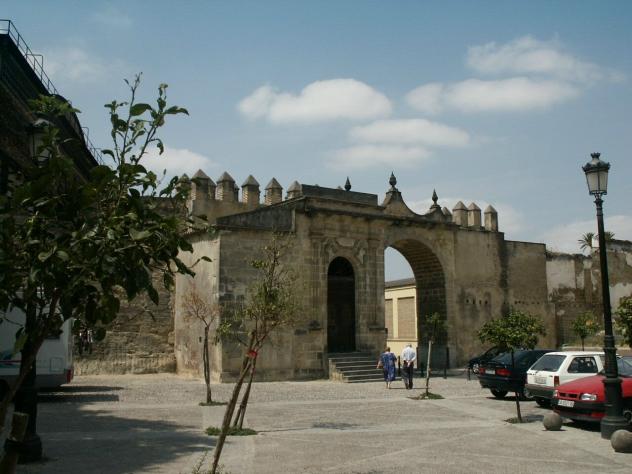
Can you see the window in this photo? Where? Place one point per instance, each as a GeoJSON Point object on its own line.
{"type": "Point", "coordinates": [548, 362]}
{"type": "Point", "coordinates": [583, 365]}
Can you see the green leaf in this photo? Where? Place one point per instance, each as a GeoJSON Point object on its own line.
{"type": "Point", "coordinates": [153, 295]}
{"type": "Point", "coordinates": [139, 234]}
{"type": "Point", "coordinates": [62, 255]}
{"type": "Point", "coordinates": [43, 256]}
{"type": "Point", "coordinates": [139, 109]}
{"type": "Point", "coordinates": [20, 341]}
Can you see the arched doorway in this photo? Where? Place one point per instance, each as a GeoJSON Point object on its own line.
{"type": "Point", "coordinates": [409, 301]}
{"type": "Point", "coordinates": [340, 306]}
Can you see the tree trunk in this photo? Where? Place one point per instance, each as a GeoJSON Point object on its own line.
{"type": "Point", "coordinates": [207, 367]}
{"type": "Point", "coordinates": [582, 343]}
{"type": "Point", "coordinates": [230, 408]}
{"type": "Point", "coordinates": [18, 429]}
{"type": "Point", "coordinates": [239, 418]}
{"type": "Point", "coordinates": [25, 401]}
{"type": "Point", "coordinates": [513, 367]}
{"type": "Point", "coordinates": [428, 367]}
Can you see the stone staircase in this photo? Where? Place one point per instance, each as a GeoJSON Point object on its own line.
{"type": "Point", "coordinates": [354, 367]}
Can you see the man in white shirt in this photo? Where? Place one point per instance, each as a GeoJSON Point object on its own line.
{"type": "Point", "coordinates": [408, 361]}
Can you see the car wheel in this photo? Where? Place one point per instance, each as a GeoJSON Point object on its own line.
{"type": "Point", "coordinates": [475, 368]}
{"type": "Point", "coordinates": [543, 402]}
{"type": "Point", "coordinates": [627, 414]}
{"type": "Point", "coordinates": [498, 393]}
{"type": "Point", "coordinates": [526, 396]}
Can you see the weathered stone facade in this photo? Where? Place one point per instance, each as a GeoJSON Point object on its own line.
{"type": "Point", "coordinates": [466, 271]}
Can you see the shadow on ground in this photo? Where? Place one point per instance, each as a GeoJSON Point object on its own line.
{"type": "Point", "coordinates": [79, 436]}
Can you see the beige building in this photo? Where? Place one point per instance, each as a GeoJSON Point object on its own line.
{"type": "Point", "coordinates": [400, 313]}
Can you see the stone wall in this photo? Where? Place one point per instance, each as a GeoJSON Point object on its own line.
{"type": "Point", "coordinates": [139, 340]}
{"type": "Point", "coordinates": [574, 284]}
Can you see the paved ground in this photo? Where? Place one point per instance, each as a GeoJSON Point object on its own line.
{"type": "Point", "coordinates": [152, 423]}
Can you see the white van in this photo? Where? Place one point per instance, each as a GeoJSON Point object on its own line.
{"type": "Point", "coordinates": [54, 359]}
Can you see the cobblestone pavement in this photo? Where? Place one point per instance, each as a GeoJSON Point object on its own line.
{"type": "Point", "coordinates": [153, 423]}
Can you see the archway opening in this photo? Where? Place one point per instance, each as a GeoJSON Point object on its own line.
{"type": "Point", "coordinates": [409, 300]}
{"type": "Point", "coordinates": [341, 318]}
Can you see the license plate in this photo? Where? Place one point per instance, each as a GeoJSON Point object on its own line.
{"type": "Point", "coordinates": [540, 380]}
{"type": "Point", "coordinates": [566, 403]}
{"type": "Point", "coordinates": [490, 371]}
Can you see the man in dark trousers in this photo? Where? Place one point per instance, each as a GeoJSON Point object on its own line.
{"type": "Point", "coordinates": [408, 362]}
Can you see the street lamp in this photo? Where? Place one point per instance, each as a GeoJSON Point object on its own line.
{"type": "Point", "coordinates": [597, 180]}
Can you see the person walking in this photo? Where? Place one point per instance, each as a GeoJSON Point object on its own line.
{"type": "Point", "coordinates": [387, 364]}
{"type": "Point", "coordinates": [409, 356]}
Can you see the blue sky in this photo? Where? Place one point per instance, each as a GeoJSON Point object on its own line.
{"type": "Point", "coordinates": [493, 102]}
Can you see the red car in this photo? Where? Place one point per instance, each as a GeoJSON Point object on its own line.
{"type": "Point", "coordinates": [583, 399]}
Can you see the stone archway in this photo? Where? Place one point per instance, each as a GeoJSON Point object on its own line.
{"type": "Point", "coordinates": [431, 295]}
{"type": "Point", "coordinates": [341, 317]}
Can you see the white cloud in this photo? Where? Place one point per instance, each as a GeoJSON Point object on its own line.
{"type": "Point", "coordinates": [410, 131]}
{"type": "Point", "coordinates": [427, 98]}
{"type": "Point", "coordinates": [528, 55]}
{"type": "Point", "coordinates": [319, 101]}
{"type": "Point", "coordinates": [111, 16]}
{"type": "Point", "coordinates": [74, 64]}
{"type": "Point", "coordinates": [510, 220]}
{"type": "Point", "coordinates": [177, 161]}
{"type": "Point", "coordinates": [475, 95]}
{"type": "Point", "coordinates": [367, 156]}
{"type": "Point", "coordinates": [564, 238]}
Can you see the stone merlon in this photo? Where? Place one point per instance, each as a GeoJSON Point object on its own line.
{"type": "Point", "coordinates": [491, 219]}
{"type": "Point", "coordinates": [274, 192]}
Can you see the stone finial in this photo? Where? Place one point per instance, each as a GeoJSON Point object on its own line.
{"type": "Point", "coordinates": [294, 191]}
{"type": "Point", "coordinates": [491, 219]}
{"type": "Point", "coordinates": [473, 215]}
{"type": "Point", "coordinates": [274, 192]}
{"type": "Point", "coordinates": [459, 214]}
{"type": "Point", "coordinates": [250, 193]}
{"type": "Point", "coordinates": [226, 188]}
{"type": "Point", "coordinates": [435, 198]}
{"type": "Point", "coordinates": [347, 184]}
{"type": "Point", "coordinates": [392, 180]}
{"type": "Point", "coordinates": [202, 187]}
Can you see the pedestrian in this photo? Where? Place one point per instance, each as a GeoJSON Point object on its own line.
{"type": "Point", "coordinates": [408, 360]}
{"type": "Point", "coordinates": [387, 364]}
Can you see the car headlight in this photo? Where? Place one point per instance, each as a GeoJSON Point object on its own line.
{"type": "Point", "coordinates": [588, 397]}
{"type": "Point", "coordinates": [556, 393]}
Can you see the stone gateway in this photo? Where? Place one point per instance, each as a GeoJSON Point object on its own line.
{"type": "Point", "coordinates": [463, 266]}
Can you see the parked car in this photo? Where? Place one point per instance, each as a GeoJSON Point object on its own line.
{"type": "Point", "coordinates": [476, 362]}
{"type": "Point", "coordinates": [584, 399]}
{"type": "Point", "coordinates": [501, 377]}
{"type": "Point", "coordinates": [556, 368]}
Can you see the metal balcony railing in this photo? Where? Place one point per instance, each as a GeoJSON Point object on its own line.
{"type": "Point", "coordinates": [36, 62]}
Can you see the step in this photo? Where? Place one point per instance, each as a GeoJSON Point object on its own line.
{"type": "Point", "coordinates": [373, 371]}
{"type": "Point", "coordinates": [353, 378]}
{"type": "Point", "coordinates": [357, 365]}
{"type": "Point", "coordinates": [350, 363]}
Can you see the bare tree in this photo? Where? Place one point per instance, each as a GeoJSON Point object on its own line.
{"type": "Point", "coordinates": [198, 306]}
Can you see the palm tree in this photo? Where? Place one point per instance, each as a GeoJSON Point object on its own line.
{"type": "Point", "coordinates": [586, 241]}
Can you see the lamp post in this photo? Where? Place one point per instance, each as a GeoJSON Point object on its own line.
{"type": "Point", "coordinates": [597, 180]}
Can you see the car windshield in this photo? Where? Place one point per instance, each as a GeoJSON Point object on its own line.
{"type": "Point", "coordinates": [505, 357]}
{"type": "Point", "coordinates": [549, 362]}
{"type": "Point", "coordinates": [625, 367]}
